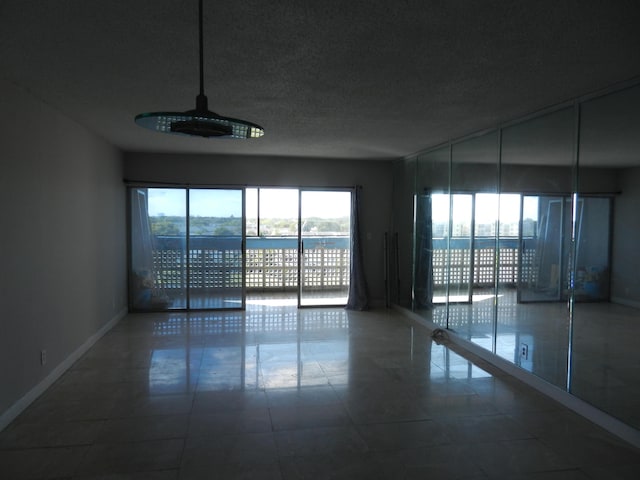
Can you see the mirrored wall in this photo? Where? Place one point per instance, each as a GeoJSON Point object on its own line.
{"type": "Point", "coordinates": [525, 243]}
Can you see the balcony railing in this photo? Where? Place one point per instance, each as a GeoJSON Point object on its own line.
{"type": "Point", "coordinates": [484, 268]}
{"type": "Point", "coordinates": [271, 263]}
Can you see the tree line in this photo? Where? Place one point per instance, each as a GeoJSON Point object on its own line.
{"type": "Point", "coordinates": [176, 225]}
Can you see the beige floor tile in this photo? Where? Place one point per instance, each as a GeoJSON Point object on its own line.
{"type": "Point", "coordinates": [280, 393]}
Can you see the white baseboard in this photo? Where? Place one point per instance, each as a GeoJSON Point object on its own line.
{"type": "Point", "coordinates": [18, 407]}
{"type": "Point", "coordinates": [595, 415]}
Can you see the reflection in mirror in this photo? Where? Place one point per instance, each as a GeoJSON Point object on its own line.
{"type": "Point", "coordinates": [555, 246]}
{"type": "Point", "coordinates": [544, 254]}
{"type": "Point", "coordinates": [537, 178]}
{"type": "Point", "coordinates": [605, 367]}
{"type": "Point", "coordinates": [400, 243]}
{"type": "Point", "coordinates": [474, 186]}
{"type": "Point", "coordinates": [431, 230]}
{"type": "Point", "coordinates": [448, 365]}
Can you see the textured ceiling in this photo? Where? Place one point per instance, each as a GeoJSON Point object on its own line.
{"type": "Point", "coordinates": [356, 79]}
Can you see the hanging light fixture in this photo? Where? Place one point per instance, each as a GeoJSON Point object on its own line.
{"type": "Point", "coordinates": [201, 121]}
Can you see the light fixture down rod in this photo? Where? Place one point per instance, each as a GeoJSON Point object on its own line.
{"type": "Point", "coordinates": [201, 50]}
{"type": "Point", "coordinates": [199, 122]}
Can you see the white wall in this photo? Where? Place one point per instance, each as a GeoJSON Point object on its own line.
{"type": "Point", "coordinates": [62, 242]}
{"type": "Point", "coordinates": [375, 177]}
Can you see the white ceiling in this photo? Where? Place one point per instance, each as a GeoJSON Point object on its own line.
{"type": "Point", "coordinates": [325, 78]}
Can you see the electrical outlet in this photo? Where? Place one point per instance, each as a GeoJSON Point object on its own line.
{"type": "Point", "coordinates": [524, 351]}
{"type": "Point", "coordinates": [43, 357]}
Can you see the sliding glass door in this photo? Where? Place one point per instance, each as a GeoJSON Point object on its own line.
{"type": "Point", "coordinates": [546, 233]}
{"type": "Point", "coordinates": [216, 238]}
{"type": "Point", "coordinates": [324, 247]}
{"type": "Point", "coordinates": [452, 220]}
{"type": "Point", "coordinates": [461, 248]}
{"type": "Point", "coordinates": [186, 249]}
{"type": "Point", "coordinates": [158, 245]}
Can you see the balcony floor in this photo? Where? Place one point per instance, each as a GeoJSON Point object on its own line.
{"type": "Point", "coordinates": [233, 300]}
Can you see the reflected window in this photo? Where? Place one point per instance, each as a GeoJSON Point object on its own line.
{"type": "Point", "coordinates": [530, 216]}
{"type": "Point", "coordinates": [486, 214]}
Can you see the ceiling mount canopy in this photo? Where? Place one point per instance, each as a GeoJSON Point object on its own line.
{"type": "Point", "coordinates": [201, 121]}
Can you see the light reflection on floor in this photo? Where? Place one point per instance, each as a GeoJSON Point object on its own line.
{"type": "Point", "coordinates": [535, 336]}
{"type": "Point", "coordinates": [232, 299]}
{"type": "Point", "coordinates": [283, 393]}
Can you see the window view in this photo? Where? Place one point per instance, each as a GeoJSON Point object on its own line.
{"type": "Point", "coordinates": [325, 244]}
{"type": "Point", "coordinates": [272, 212]}
{"type": "Point", "coordinates": [547, 271]}
{"type": "Point", "coordinates": [187, 246]}
{"type": "Point", "coordinates": [463, 263]}
{"type": "Point", "coordinates": [317, 275]}
{"type": "Point", "coordinates": [497, 269]}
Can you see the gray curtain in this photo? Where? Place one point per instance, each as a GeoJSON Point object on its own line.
{"type": "Point", "coordinates": [358, 292]}
{"type": "Point", "coordinates": [423, 281]}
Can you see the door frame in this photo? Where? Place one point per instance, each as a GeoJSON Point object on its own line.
{"type": "Point", "coordinates": [243, 243]}
{"type": "Point", "coordinates": [301, 191]}
{"type": "Point", "coordinates": [132, 187]}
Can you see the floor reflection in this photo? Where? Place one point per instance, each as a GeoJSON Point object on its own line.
{"type": "Point", "coordinates": [535, 336]}
{"type": "Point", "coordinates": [280, 393]}
{"type": "Point", "coordinates": [270, 345]}
{"type": "Point", "coordinates": [449, 365]}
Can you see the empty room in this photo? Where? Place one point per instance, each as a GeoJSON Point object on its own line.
{"type": "Point", "coordinates": [301, 239]}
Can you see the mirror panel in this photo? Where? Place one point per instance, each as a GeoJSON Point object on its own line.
{"type": "Point", "coordinates": [605, 366]}
{"type": "Point", "coordinates": [474, 187]}
{"type": "Point", "coordinates": [400, 243]}
{"type": "Point", "coordinates": [547, 236]}
{"type": "Point", "coordinates": [431, 230]}
{"type": "Point", "coordinates": [537, 177]}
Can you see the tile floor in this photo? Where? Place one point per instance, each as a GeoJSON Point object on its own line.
{"type": "Point", "coordinates": [605, 360]}
{"type": "Point", "coordinates": [280, 393]}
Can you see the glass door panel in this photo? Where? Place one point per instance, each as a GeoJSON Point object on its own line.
{"type": "Point", "coordinates": [460, 248]}
{"type": "Point", "coordinates": [216, 256]}
{"type": "Point", "coordinates": [325, 247]}
{"type": "Point", "coordinates": [157, 272]}
{"type": "Point", "coordinates": [508, 236]}
{"type": "Point", "coordinates": [593, 227]}
{"type": "Point", "coordinates": [543, 245]}
{"type": "Point", "coordinates": [440, 208]}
